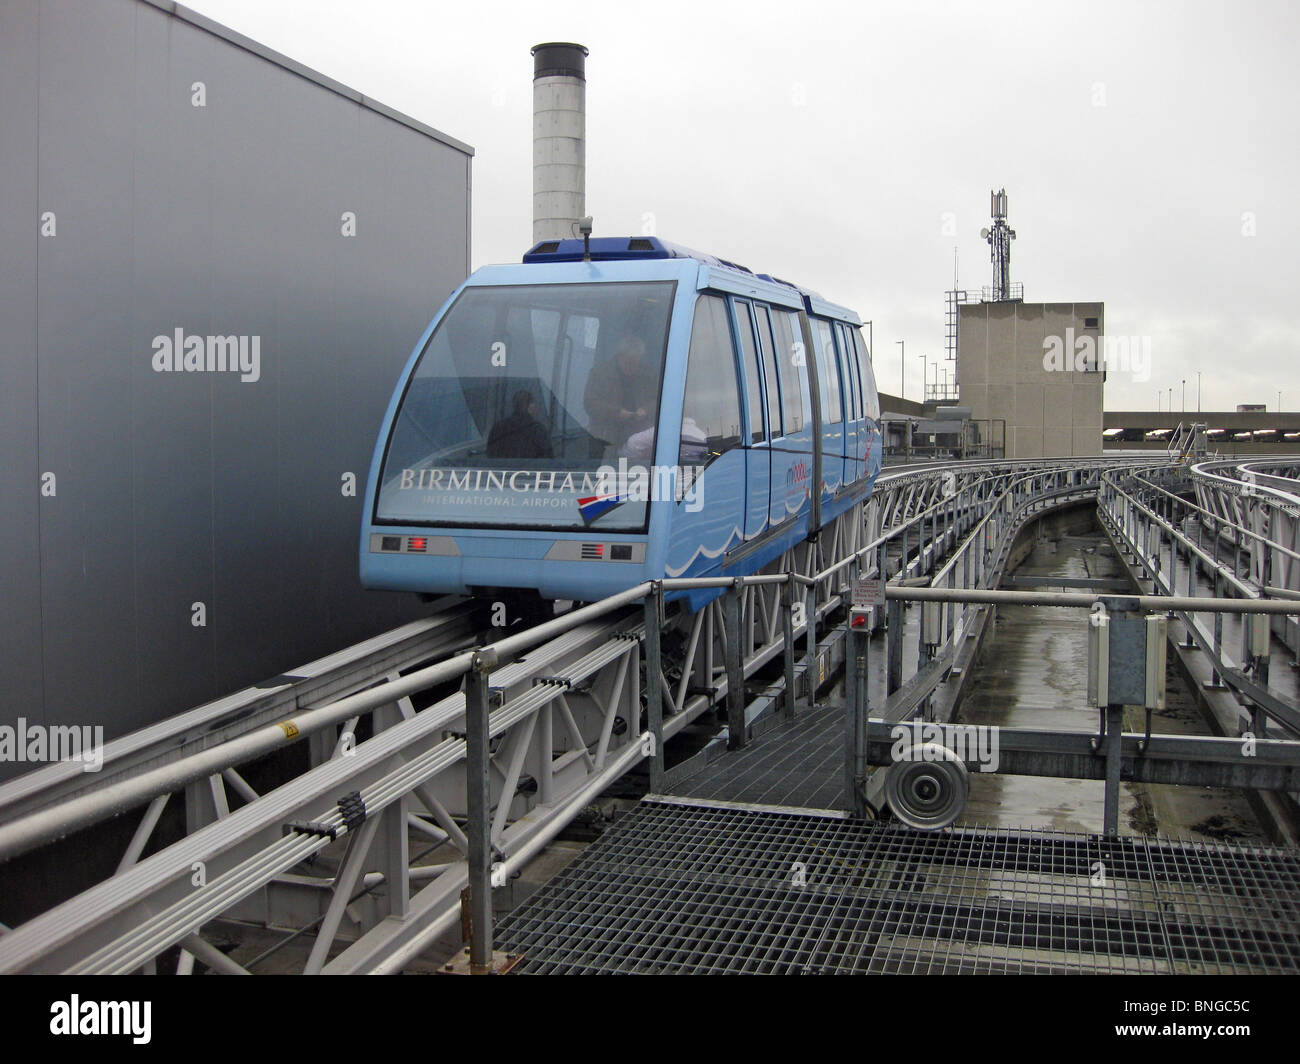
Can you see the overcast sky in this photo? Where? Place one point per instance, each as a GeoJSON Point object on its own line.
{"type": "Point", "coordinates": [850, 147]}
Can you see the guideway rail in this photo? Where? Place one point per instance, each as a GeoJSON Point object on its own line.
{"type": "Point", "coordinates": [1146, 517]}
{"type": "Point", "coordinates": [569, 687]}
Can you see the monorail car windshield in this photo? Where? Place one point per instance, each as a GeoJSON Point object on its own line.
{"type": "Point", "coordinates": [573, 427]}
{"type": "Point", "coordinates": [521, 394]}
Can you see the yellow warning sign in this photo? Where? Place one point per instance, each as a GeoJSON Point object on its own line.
{"type": "Point", "coordinates": [289, 728]}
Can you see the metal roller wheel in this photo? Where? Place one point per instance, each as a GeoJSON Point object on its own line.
{"type": "Point", "coordinates": [928, 789]}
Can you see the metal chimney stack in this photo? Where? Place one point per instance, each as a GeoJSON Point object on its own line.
{"type": "Point", "coordinates": [559, 140]}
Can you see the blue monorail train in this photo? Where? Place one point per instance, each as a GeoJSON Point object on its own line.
{"type": "Point", "coordinates": [574, 426]}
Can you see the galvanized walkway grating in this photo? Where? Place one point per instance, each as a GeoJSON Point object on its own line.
{"type": "Point", "coordinates": [682, 886]}
{"type": "Point", "coordinates": [799, 762]}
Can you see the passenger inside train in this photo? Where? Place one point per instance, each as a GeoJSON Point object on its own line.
{"type": "Point", "coordinates": [520, 435]}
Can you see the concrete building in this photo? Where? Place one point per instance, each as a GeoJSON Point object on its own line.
{"type": "Point", "coordinates": [1032, 374]}
{"type": "Point", "coordinates": [215, 264]}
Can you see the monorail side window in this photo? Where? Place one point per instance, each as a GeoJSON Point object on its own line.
{"type": "Point", "coordinates": [749, 358]}
{"type": "Point", "coordinates": [792, 361]}
{"type": "Point", "coordinates": [764, 321]}
{"type": "Point", "coordinates": [851, 360]}
{"type": "Point", "coordinates": [849, 371]}
{"type": "Point", "coordinates": [860, 363]}
{"type": "Point", "coordinates": [870, 398]}
{"type": "Point", "coordinates": [711, 407]}
{"type": "Point", "coordinates": [828, 374]}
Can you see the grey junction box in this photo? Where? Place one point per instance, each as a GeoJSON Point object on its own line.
{"type": "Point", "coordinates": [1126, 660]}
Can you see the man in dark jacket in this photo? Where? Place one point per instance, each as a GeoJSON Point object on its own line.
{"type": "Point", "coordinates": [520, 435]}
{"type": "Point", "coordinates": [616, 398]}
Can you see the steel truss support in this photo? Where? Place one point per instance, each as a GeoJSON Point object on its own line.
{"type": "Point", "coordinates": [542, 735]}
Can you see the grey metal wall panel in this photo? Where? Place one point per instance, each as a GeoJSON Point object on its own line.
{"type": "Point", "coordinates": [171, 451]}
{"type": "Point", "coordinates": [376, 324]}
{"type": "Point", "coordinates": [271, 227]}
{"type": "Point", "coordinates": [84, 296]}
{"type": "Point", "coordinates": [178, 488]}
{"type": "Point", "coordinates": [20, 589]}
{"type": "Point", "coordinates": [321, 527]}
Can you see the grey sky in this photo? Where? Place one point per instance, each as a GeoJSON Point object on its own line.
{"type": "Point", "coordinates": [830, 143]}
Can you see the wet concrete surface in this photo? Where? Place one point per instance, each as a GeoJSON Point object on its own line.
{"type": "Point", "coordinates": [1032, 673]}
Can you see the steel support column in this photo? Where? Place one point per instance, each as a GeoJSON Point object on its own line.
{"type": "Point", "coordinates": [477, 804]}
{"type": "Point", "coordinates": [731, 603]}
{"type": "Point", "coordinates": [654, 686]}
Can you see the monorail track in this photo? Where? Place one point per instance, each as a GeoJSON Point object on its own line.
{"type": "Point", "coordinates": [571, 686]}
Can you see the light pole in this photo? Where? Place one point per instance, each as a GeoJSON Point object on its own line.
{"type": "Point", "coordinates": [925, 376]}
{"type": "Point", "coordinates": [1198, 391]}
{"type": "Point", "coordinates": [1182, 403]}
{"type": "Point", "coordinates": [902, 369]}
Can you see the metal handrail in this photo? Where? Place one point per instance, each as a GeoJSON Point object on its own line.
{"type": "Point", "coordinates": [23, 833]}
{"type": "Point", "coordinates": [1231, 524]}
{"type": "Point", "coordinates": [494, 655]}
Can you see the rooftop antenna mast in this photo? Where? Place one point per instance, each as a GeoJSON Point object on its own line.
{"type": "Point", "coordinates": [999, 240]}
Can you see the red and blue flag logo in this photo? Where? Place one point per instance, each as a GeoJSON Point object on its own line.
{"type": "Point", "coordinates": [594, 505]}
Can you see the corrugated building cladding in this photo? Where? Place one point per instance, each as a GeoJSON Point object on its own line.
{"type": "Point", "coordinates": [160, 173]}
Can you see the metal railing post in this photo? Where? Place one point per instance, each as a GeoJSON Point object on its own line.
{"type": "Point", "coordinates": [893, 644]}
{"type": "Point", "coordinates": [856, 698]}
{"type": "Point", "coordinates": [1114, 733]}
{"type": "Point", "coordinates": [788, 590]}
{"type": "Point", "coordinates": [810, 642]}
{"type": "Point", "coordinates": [950, 612]}
{"type": "Point", "coordinates": [735, 665]}
{"type": "Point", "coordinates": [1215, 682]}
{"type": "Point", "coordinates": [654, 702]}
{"type": "Point", "coordinates": [1173, 557]}
{"type": "Point", "coordinates": [477, 804]}
{"type": "Point", "coordinates": [878, 615]}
